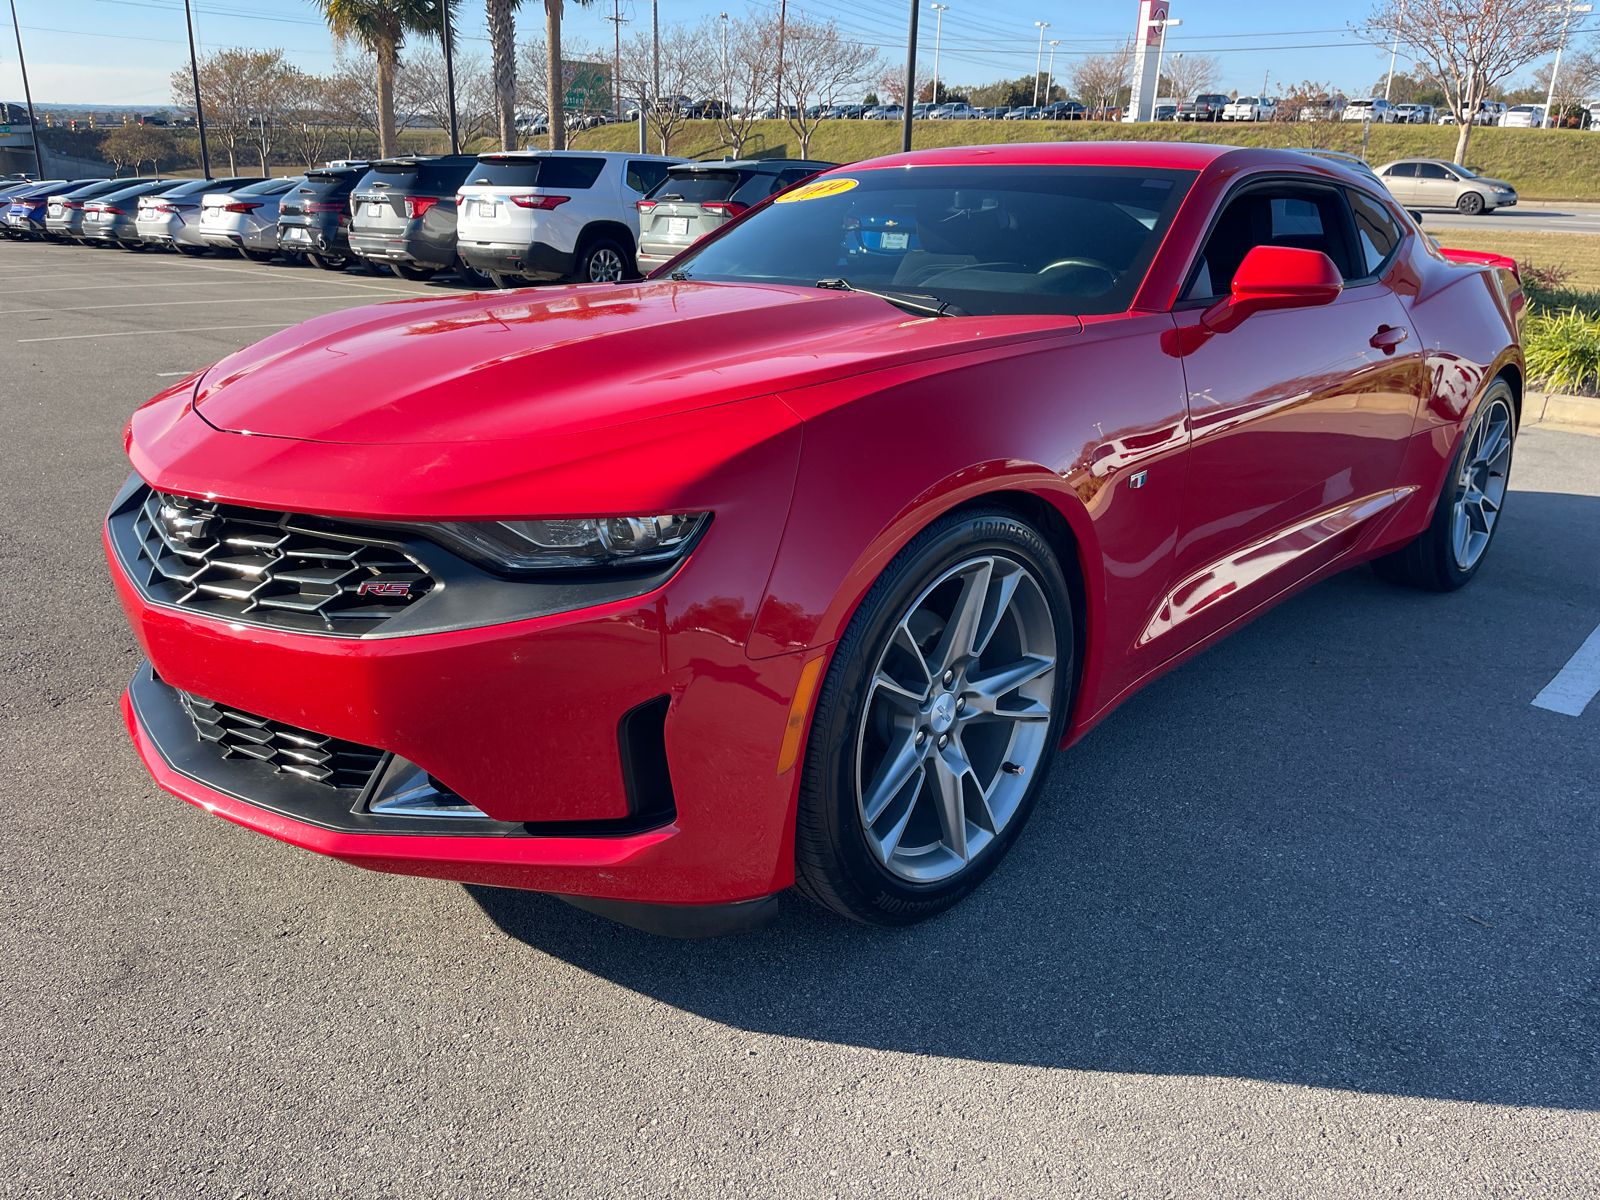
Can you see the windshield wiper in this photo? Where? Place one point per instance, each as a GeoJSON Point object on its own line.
{"type": "Point", "coordinates": [914, 303]}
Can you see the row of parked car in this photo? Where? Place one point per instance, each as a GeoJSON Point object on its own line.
{"type": "Point", "coordinates": [493, 220]}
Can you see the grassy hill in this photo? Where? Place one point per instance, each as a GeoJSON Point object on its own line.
{"type": "Point", "coordinates": [1542, 164]}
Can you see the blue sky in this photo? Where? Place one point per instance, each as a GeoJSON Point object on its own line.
{"type": "Point", "coordinates": [123, 51]}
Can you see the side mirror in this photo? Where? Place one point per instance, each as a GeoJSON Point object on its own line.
{"type": "Point", "coordinates": [1275, 277]}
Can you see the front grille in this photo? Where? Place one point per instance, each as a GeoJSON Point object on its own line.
{"type": "Point", "coordinates": [313, 756]}
{"type": "Point", "coordinates": [270, 568]}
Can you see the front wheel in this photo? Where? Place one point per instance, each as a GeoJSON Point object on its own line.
{"type": "Point", "coordinates": [937, 721]}
{"type": "Point", "coordinates": [327, 262]}
{"type": "Point", "coordinates": [1448, 554]}
{"type": "Point", "coordinates": [1470, 204]}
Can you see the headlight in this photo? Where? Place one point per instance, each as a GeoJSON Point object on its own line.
{"type": "Point", "coordinates": [571, 543]}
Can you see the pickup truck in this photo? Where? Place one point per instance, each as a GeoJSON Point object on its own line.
{"type": "Point", "coordinates": [1250, 108]}
{"type": "Point", "coordinates": [1207, 106]}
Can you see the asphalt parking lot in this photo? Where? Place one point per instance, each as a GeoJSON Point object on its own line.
{"type": "Point", "coordinates": [1313, 916]}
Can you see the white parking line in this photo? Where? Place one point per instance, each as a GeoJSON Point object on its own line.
{"type": "Point", "coordinates": [1575, 684]}
{"type": "Point", "coordinates": [186, 283]}
{"type": "Point", "coordinates": [11, 312]}
{"type": "Point", "coordinates": [78, 337]}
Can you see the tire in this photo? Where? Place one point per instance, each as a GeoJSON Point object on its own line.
{"type": "Point", "coordinates": [503, 282]}
{"type": "Point", "coordinates": [327, 262]}
{"type": "Point", "coordinates": [1449, 552]}
{"type": "Point", "coordinates": [191, 251]}
{"type": "Point", "coordinates": [259, 256]}
{"type": "Point", "coordinates": [468, 277]}
{"type": "Point", "coordinates": [1470, 204]}
{"type": "Point", "coordinates": [909, 862]}
{"type": "Point", "coordinates": [414, 274]}
{"type": "Point", "coordinates": [601, 261]}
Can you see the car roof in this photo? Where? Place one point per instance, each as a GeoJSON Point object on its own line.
{"type": "Point", "coordinates": [1189, 156]}
{"type": "Point", "coordinates": [515, 155]}
{"type": "Point", "coordinates": [750, 164]}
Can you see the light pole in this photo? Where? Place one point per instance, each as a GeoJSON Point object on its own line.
{"type": "Point", "coordinates": [450, 77]}
{"type": "Point", "coordinates": [1394, 52]}
{"type": "Point", "coordinates": [27, 93]}
{"type": "Point", "coordinates": [1050, 71]}
{"type": "Point", "coordinates": [1548, 100]}
{"type": "Point", "coordinates": [1161, 49]}
{"type": "Point", "coordinates": [1038, 60]}
{"type": "Point", "coordinates": [727, 82]}
{"type": "Point", "coordinates": [938, 31]}
{"type": "Point", "coordinates": [911, 81]}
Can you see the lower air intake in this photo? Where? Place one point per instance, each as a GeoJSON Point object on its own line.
{"type": "Point", "coordinates": [314, 756]}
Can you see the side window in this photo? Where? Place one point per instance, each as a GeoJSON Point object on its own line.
{"type": "Point", "coordinates": [1377, 235]}
{"type": "Point", "coordinates": [1402, 171]}
{"type": "Point", "coordinates": [1294, 215]}
{"type": "Point", "coordinates": [792, 175]}
{"type": "Point", "coordinates": [642, 175]}
{"type": "Point", "coordinates": [1431, 171]}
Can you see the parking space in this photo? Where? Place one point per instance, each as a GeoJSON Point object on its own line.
{"type": "Point", "coordinates": [1314, 915]}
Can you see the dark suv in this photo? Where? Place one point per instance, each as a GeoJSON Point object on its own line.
{"type": "Point", "coordinates": [1207, 106]}
{"type": "Point", "coordinates": [403, 212]}
{"type": "Point", "coordinates": [696, 198]}
{"type": "Point", "coordinates": [314, 218]}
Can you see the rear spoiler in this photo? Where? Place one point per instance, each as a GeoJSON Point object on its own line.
{"type": "Point", "coordinates": [1506, 269]}
{"type": "Point", "coordinates": [1483, 259]}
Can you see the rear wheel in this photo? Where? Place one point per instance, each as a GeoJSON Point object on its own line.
{"type": "Point", "coordinates": [191, 251]}
{"type": "Point", "coordinates": [260, 256]}
{"type": "Point", "coordinates": [414, 273]}
{"type": "Point", "coordinates": [937, 721]}
{"type": "Point", "coordinates": [1470, 204]}
{"type": "Point", "coordinates": [505, 282]}
{"type": "Point", "coordinates": [1448, 554]}
{"type": "Point", "coordinates": [474, 279]}
{"type": "Point", "coordinates": [328, 262]}
{"type": "Point", "coordinates": [601, 261]}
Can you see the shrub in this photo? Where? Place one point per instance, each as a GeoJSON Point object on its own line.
{"type": "Point", "coordinates": [1562, 349]}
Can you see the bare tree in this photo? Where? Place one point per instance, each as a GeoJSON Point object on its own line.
{"type": "Point", "coordinates": [1467, 46]}
{"type": "Point", "coordinates": [134, 145]}
{"type": "Point", "coordinates": [688, 68]}
{"type": "Point", "coordinates": [349, 98]}
{"type": "Point", "coordinates": [229, 86]}
{"type": "Point", "coordinates": [421, 89]}
{"type": "Point", "coordinates": [1187, 75]}
{"type": "Point", "coordinates": [743, 80]}
{"type": "Point", "coordinates": [820, 68]}
{"type": "Point", "coordinates": [1578, 79]}
{"type": "Point", "coordinates": [1098, 78]}
{"type": "Point", "coordinates": [306, 125]}
{"type": "Point", "coordinates": [892, 85]}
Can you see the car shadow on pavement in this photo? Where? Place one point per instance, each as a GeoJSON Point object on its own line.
{"type": "Point", "coordinates": [1340, 849]}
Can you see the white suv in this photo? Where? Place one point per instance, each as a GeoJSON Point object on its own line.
{"type": "Point", "coordinates": [527, 215]}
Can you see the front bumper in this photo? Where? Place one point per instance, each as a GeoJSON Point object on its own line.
{"type": "Point", "coordinates": [536, 261]}
{"type": "Point", "coordinates": [525, 714]}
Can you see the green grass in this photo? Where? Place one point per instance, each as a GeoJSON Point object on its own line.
{"type": "Point", "coordinates": [1563, 350]}
{"type": "Point", "coordinates": [1553, 164]}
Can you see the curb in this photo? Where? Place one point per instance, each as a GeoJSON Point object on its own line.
{"type": "Point", "coordinates": [1550, 407]}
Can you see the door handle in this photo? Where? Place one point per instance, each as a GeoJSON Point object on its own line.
{"type": "Point", "coordinates": [1388, 337]}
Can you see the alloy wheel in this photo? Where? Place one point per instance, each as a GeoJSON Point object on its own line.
{"type": "Point", "coordinates": [1481, 485]}
{"type": "Point", "coordinates": [605, 266]}
{"type": "Point", "coordinates": [956, 718]}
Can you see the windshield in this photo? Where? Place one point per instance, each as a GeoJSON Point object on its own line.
{"type": "Point", "coordinates": [1036, 239]}
{"type": "Point", "coordinates": [1461, 171]}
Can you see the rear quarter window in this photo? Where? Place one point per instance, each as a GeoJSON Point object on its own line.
{"type": "Point", "coordinates": [643, 175]}
{"type": "Point", "coordinates": [1377, 233]}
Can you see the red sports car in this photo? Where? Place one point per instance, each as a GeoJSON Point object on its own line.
{"type": "Point", "coordinates": [798, 562]}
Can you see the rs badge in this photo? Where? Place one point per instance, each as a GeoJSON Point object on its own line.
{"type": "Point", "coordinates": [384, 587]}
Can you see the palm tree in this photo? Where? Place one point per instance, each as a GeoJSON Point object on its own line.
{"type": "Point", "coordinates": [557, 88]}
{"type": "Point", "coordinates": [503, 37]}
{"type": "Point", "coordinates": [380, 26]}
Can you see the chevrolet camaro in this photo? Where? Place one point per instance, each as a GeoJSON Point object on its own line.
{"type": "Point", "coordinates": [798, 562]}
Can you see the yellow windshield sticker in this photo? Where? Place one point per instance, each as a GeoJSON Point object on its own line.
{"type": "Point", "coordinates": [817, 190]}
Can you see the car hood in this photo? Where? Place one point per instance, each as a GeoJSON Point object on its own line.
{"type": "Point", "coordinates": [1484, 179]}
{"type": "Point", "coordinates": [504, 366]}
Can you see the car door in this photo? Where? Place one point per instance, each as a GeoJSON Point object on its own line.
{"type": "Point", "coordinates": [1435, 188]}
{"type": "Point", "coordinates": [1300, 417]}
{"type": "Point", "coordinates": [1401, 180]}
